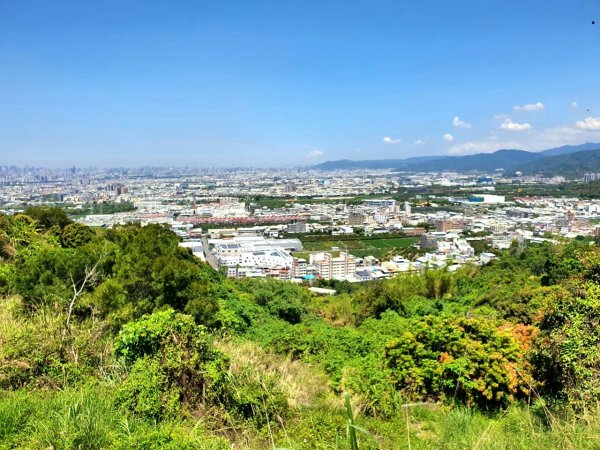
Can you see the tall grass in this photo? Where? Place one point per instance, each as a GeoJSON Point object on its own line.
{"type": "Point", "coordinates": [86, 418]}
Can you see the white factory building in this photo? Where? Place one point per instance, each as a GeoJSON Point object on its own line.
{"type": "Point", "coordinates": [255, 252]}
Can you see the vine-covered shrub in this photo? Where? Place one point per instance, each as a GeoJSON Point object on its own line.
{"type": "Point", "coordinates": [173, 365]}
{"type": "Point", "coordinates": [467, 359]}
{"type": "Point", "coordinates": [172, 362]}
{"type": "Point", "coordinates": [566, 352]}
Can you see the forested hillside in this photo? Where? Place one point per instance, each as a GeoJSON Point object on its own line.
{"type": "Point", "coordinates": [573, 165]}
{"type": "Point", "coordinates": [122, 339]}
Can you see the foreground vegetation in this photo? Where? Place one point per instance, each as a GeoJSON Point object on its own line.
{"type": "Point", "coordinates": [122, 339]}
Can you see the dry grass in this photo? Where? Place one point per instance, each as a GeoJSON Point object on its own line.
{"type": "Point", "coordinates": [303, 385]}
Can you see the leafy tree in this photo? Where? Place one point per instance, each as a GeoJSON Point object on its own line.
{"type": "Point", "coordinates": [76, 235]}
{"type": "Point", "coordinates": [151, 272]}
{"type": "Point", "coordinates": [52, 274]}
{"type": "Point", "coordinates": [47, 217]}
{"type": "Point", "coordinates": [379, 296]}
{"type": "Point", "coordinates": [284, 300]}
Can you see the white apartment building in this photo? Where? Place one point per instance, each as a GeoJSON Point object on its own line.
{"type": "Point", "coordinates": [328, 266]}
{"type": "Point", "coordinates": [299, 268]}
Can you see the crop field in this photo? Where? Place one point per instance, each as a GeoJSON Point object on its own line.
{"type": "Point", "coordinates": [361, 247]}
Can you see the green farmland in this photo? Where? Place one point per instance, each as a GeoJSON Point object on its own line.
{"type": "Point", "coordinates": [362, 247]}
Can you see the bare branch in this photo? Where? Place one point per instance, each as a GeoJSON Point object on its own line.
{"type": "Point", "coordinates": [90, 277]}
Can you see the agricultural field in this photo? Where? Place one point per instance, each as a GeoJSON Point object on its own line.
{"type": "Point", "coordinates": [361, 247]}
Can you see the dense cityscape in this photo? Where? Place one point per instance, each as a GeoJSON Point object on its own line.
{"type": "Point", "coordinates": [300, 224]}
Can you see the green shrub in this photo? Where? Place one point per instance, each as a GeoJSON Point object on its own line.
{"type": "Point", "coordinates": [255, 396]}
{"type": "Point", "coordinates": [566, 350]}
{"type": "Point", "coordinates": [172, 360]}
{"type": "Point", "coordinates": [467, 359]}
{"type": "Point", "coordinates": [147, 391]}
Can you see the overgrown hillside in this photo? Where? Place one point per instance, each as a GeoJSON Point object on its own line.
{"type": "Point", "coordinates": [122, 339]}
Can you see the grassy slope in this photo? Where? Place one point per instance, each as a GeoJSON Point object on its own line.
{"type": "Point", "coordinates": [84, 415]}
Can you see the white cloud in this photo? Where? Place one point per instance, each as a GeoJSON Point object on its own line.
{"type": "Point", "coordinates": [419, 142]}
{"type": "Point", "coordinates": [448, 137]}
{"type": "Point", "coordinates": [391, 140]}
{"type": "Point", "coordinates": [315, 154]}
{"type": "Point", "coordinates": [591, 123]}
{"type": "Point", "coordinates": [574, 105]}
{"type": "Point", "coordinates": [459, 123]}
{"type": "Point", "coordinates": [484, 146]}
{"type": "Point", "coordinates": [500, 116]}
{"type": "Point", "coordinates": [509, 125]}
{"type": "Point", "coordinates": [530, 107]}
{"type": "Point", "coordinates": [534, 140]}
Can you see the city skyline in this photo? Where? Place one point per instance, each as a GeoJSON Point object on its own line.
{"type": "Point", "coordinates": [267, 84]}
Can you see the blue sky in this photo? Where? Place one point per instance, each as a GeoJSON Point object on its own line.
{"type": "Point", "coordinates": [283, 83]}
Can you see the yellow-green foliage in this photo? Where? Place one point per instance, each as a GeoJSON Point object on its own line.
{"type": "Point", "coordinates": [37, 349]}
{"type": "Point", "coordinates": [464, 359]}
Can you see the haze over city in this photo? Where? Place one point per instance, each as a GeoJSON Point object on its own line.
{"type": "Point", "coordinates": [270, 83]}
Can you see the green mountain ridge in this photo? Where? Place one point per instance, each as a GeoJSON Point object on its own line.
{"type": "Point", "coordinates": [572, 165]}
{"type": "Point", "coordinates": [550, 162]}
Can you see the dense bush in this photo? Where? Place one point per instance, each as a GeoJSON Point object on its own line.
{"type": "Point", "coordinates": [172, 362]}
{"type": "Point", "coordinates": [76, 235]}
{"type": "Point", "coordinates": [173, 367]}
{"type": "Point", "coordinates": [286, 301]}
{"type": "Point", "coordinates": [566, 352]}
{"type": "Point", "coordinates": [466, 359]}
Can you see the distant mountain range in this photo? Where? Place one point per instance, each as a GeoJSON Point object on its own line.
{"type": "Point", "coordinates": [569, 160]}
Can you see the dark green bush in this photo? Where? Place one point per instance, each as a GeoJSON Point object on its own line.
{"type": "Point", "coordinates": [76, 235]}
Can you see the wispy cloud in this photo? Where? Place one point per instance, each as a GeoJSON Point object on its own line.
{"type": "Point", "coordinates": [448, 137]}
{"type": "Point", "coordinates": [509, 125]}
{"type": "Point", "coordinates": [574, 105]}
{"type": "Point", "coordinates": [530, 107]}
{"type": "Point", "coordinates": [482, 146]}
{"type": "Point", "coordinates": [391, 140]}
{"type": "Point", "coordinates": [459, 123]}
{"type": "Point", "coordinates": [315, 153]}
{"type": "Point", "coordinates": [419, 142]}
{"type": "Point", "coordinates": [591, 123]}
